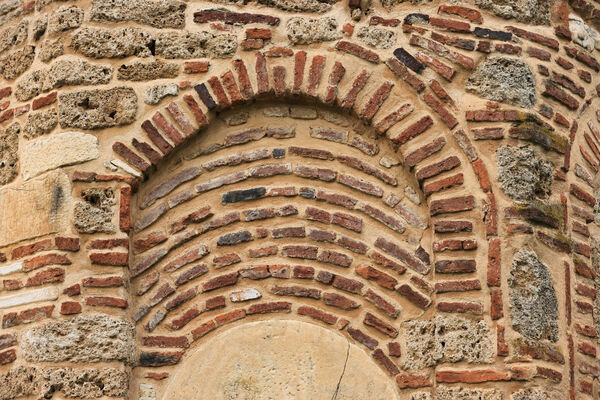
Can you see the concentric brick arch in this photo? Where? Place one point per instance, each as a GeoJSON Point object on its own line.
{"type": "Point", "coordinates": [307, 215]}
{"type": "Point", "coordinates": [331, 145]}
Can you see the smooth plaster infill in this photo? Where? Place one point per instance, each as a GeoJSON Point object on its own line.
{"type": "Point", "coordinates": [32, 296]}
{"type": "Point", "coordinates": [56, 151]}
{"type": "Point", "coordinates": [279, 359]}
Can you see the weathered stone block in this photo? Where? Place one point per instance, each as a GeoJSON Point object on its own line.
{"type": "Point", "coordinates": [447, 339]}
{"type": "Point", "coordinates": [13, 35]}
{"type": "Point", "coordinates": [195, 44]}
{"type": "Point", "coordinates": [86, 338]}
{"type": "Point", "coordinates": [18, 382]}
{"type": "Point", "coordinates": [377, 37]}
{"type": "Point", "coordinates": [40, 123]}
{"type": "Point", "coordinates": [34, 208]}
{"type": "Point", "coordinates": [95, 213]}
{"type": "Point", "coordinates": [307, 30]}
{"type": "Point", "coordinates": [112, 43]}
{"type": "Point", "coordinates": [522, 173]}
{"type": "Point", "coordinates": [155, 94]}
{"type": "Point", "coordinates": [9, 153]}
{"type": "Point", "coordinates": [504, 79]}
{"type": "Point", "coordinates": [15, 62]}
{"type": "Point", "coordinates": [62, 149]}
{"type": "Point", "coordinates": [84, 383]}
{"type": "Point", "coordinates": [535, 12]}
{"type": "Point", "coordinates": [533, 304]}
{"type": "Point", "coordinates": [159, 14]}
{"type": "Point", "coordinates": [65, 18]}
{"type": "Point", "coordinates": [50, 49]}
{"type": "Point", "coordinates": [94, 109]}
{"type": "Point", "coordinates": [147, 71]}
{"type": "Point", "coordinates": [443, 392]}
{"type": "Point", "coordinates": [316, 6]}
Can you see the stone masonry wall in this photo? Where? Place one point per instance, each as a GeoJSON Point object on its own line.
{"type": "Point", "coordinates": [341, 199]}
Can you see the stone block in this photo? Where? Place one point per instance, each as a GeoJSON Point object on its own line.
{"type": "Point", "coordinates": [504, 79]}
{"type": "Point", "coordinates": [523, 174]}
{"type": "Point", "coordinates": [158, 14]}
{"type": "Point", "coordinates": [307, 30]}
{"type": "Point", "coordinates": [533, 303]}
{"type": "Point", "coordinates": [447, 339]}
{"type": "Point", "coordinates": [86, 338]}
{"type": "Point", "coordinates": [95, 109]}
{"type": "Point", "coordinates": [95, 213]}
{"type": "Point", "coordinates": [9, 153]}
{"type": "Point", "coordinates": [35, 208]}
{"type": "Point", "coordinates": [40, 123]}
{"type": "Point", "coordinates": [66, 148]}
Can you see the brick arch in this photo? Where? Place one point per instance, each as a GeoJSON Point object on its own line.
{"type": "Point", "coordinates": [335, 275]}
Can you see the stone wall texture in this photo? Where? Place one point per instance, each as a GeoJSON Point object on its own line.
{"type": "Point", "coordinates": [300, 199]}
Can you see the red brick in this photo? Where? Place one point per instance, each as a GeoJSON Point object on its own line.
{"type": "Point", "coordinates": [279, 51]}
{"type": "Point", "coordinates": [186, 317]}
{"type": "Point", "coordinates": [357, 85]}
{"type": "Point", "coordinates": [7, 340]}
{"type": "Point", "coordinates": [26, 316]}
{"type": "Point", "coordinates": [230, 17]}
{"type": "Point", "coordinates": [306, 252]}
{"type": "Point", "coordinates": [471, 376]}
{"type": "Point", "coordinates": [131, 157]}
{"type": "Point", "coordinates": [314, 76]}
{"type": "Point", "coordinates": [455, 266]}
{"type": "Point", "coordinates": [357, 50]}
{"type": "Point", "coordinates": [299, 64]}
{"type": "Point", "coordinates": [376, 20]}
{"type": "Point", "coordinates": [335, 76]}
{"type": "Point", "coordinates": [583, 57]}
{"type": "Point", "coordinates": [534, 37]}
{"type": "Point", "coordinates": [151, 240]}
{"type": "Point", "coordinates": [382, 304]}
{"type": "Point", "coordinates": [551, 90]}
{"type": "Point", "coordinates": [44, 101]}
{"type": "Point", "coordinates": [70, 308]}
{"type": "Point", "coordinates": [296, 291]}
{"type": "Point", "coordinates": [69, 244]}
{"type": "Point", "coordinates": [451, 25]}
{"type": "Point", "coordinates": [72, 290]}
{"type": "Point", "coordinates": [414, 130]}
{"type": "Point", "coordinates": [587, 349]}
{"type": "Point", "coordinates": [226, 260]}
{"type": "Point", "coordinates": [317, 314]}
{"type": "Point", "coordinates": [203, 329]}
{"type": "Point", "coordinates": [22, 251]}
{"type": "Point", "coordinates": [375, 102]}
{"type": "Point", "coordinates": [112, 258]}
{"type": "Point", "coordinates": [412, 381]}
{"type": "Point", "coordinates": [502, 347]}
{"type": "Point", "coordinates": [106, 301]}
{"type": "Point", "coordinates": [276, 306]}
{"type": "Point", "coordinates": [460, 307]}
{"type": "Point", "coordinates": [382, 279]}
{"type": "Point", "coordinates": [165, 341]}
{"type": "Point", "coordinates": [457, 286]}
{"type": "Point", "coordinates": [415, 297]}
{"type": "Point", "coordinates": [464, 12]}
{"type": "Point", "coordinates": [195, 67]}
{"type": "Point", "coordinates": [538, 53]}
{"type": "Point", "coordinates": [380, 325]}
{"type": "Point", "coordinates": [339, 301]}
{"type": "Point", "coordinates": [452, 205]}
{"type": "Point", "coordinates": [444, 70]}
{"type": "Point", "coordinates": [347, 285]}
{"type": "Point", "coordinates": [586, 330]}
{"type": "Point", "coordinates": [385, 362]}
{"type": "Point", "coordinates": [220, 281]}
{"type": "Point", "coordinates": [496, 311]}
{"type": "Point", "coordinates": [363, 338]}
{"type": "Point", "coordinates": [47, 259]}
{"type": "Point", "coordinates": [103, 282]}
{"type": "Point", "coordinates": [549, 374]}
{"type": "Point", "coordinates": [8, 356]}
